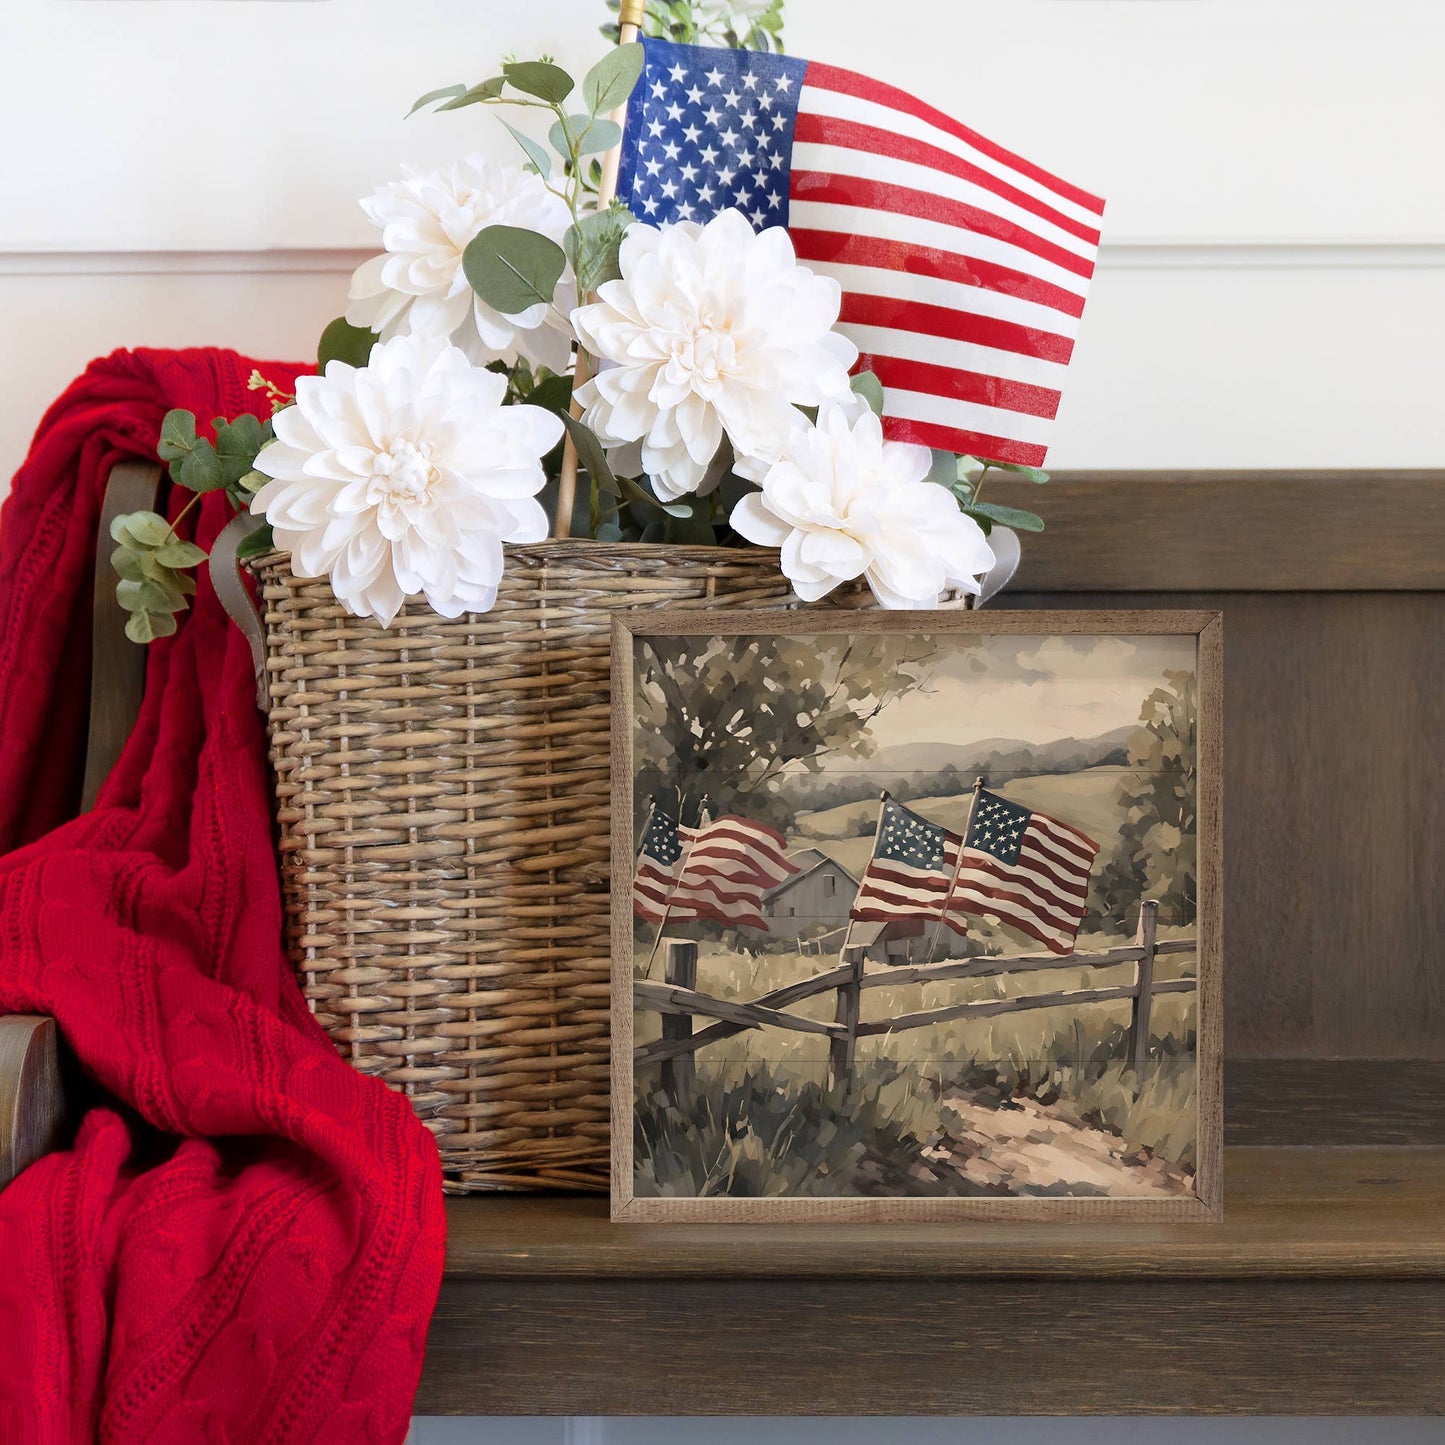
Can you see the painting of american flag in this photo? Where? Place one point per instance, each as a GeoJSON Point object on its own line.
{"type": "Point", "coordinates": [990, 968]}
{"type": "Point", "coordinates": [719, 870]}
{"type": "Point", "coordinates": [1025, 869]}
{"type": "Point", "coordinates": [964, 267]}
{"type": "Point", "coordinates": [910, 872]}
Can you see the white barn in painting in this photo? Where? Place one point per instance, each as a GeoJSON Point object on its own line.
{"type": "Point", "coordinates": [816, 902]}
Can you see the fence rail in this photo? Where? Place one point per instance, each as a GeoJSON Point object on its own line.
{"type": "Point", "coordinates": [679, 1001]}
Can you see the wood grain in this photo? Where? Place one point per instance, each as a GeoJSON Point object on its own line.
{"type": "Point", "coordinates": [1316, 1213]}
{"type": "Point", "coordinates": [1204, 1204]}
{"type": "Point", "coordinates": [117, 665]}
{"type": "Point", "coordinates": [936, 1346]}
{"type": "Point", "coordinates": [1334, 848]}
{"type": "Point", "coordinates": [32, 1103]}
{"type": "Point", "coordinates": [1232, 531]}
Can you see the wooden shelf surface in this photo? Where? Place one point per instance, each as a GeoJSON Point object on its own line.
{"type": "Point", "coordinates": [1326, 1213]}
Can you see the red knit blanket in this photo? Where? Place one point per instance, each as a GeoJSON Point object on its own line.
{"type": "Point", "coordinates": [245, 1242]}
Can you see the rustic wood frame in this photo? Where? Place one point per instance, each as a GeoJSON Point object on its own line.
{"type": "Point", "coordinates": [1206, 1205]}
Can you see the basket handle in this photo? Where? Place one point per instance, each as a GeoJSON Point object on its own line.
{"type": "Point", "coordinates": [235, 596]}
{"type": "Point", "coordinates": [1006, 553]}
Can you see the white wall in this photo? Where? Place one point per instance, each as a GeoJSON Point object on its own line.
{"type": "Point", "coordinates": [186, 171]}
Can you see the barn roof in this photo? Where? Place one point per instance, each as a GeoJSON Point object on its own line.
{"type": "Point", "coordinates": [808, 861]}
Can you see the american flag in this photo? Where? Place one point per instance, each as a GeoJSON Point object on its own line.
{"type": "Point", "coordinates": [1023, 868]}
{"type": "Point", "coordinates": [719, 870]}
{"type": "Point", "coordinates": [1020, 867]}
{"type": "Point", "coordinates": [964, 267]}
{"type": "Point", "coordinates": [910, 871]}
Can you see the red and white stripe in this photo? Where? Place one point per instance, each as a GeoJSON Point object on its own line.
{"type": "Point", "coordinates": [964, 267]}
{"type": "Point", "coordinates": [726, 867]}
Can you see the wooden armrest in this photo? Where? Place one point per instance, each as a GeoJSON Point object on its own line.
{"type": "Point", "coordinates": [32, 1101]}
{"type": "Point", "coordinates": [118, 665]}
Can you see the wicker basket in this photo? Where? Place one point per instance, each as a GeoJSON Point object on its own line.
{"type": "Point", "coordinates": [444, 799]}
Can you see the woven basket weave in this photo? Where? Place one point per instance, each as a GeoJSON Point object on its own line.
{"type": "Point", "coordinates": [444, 799]}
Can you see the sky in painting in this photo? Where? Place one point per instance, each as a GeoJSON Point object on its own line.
{"type": "Point", "coordinates": [1034, 689]}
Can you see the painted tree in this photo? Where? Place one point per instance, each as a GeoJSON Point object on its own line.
{"type": "Point", "coordinates": [732, 717]}
{"type": "Point", "coordinates": [1155, 855]}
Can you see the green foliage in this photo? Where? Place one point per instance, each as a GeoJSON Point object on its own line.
{"type": "Point", "coordinates": [610, 82]}
{"type": "Point", "coordinates": [512, 269]}
{"type": "Point", "coordinates": [1155, 855]}
{"type": "Point", "coordinates": [475, 95]}
{"type": "Point", "coordinates": [677, 20]}
{"type": "Point", "coordinates": [997, 516]}
{"type": "Point", "coordinates": [445, 92]}
{"type": "Point", "coordinates": [341, 341]}
{"type": "Point", "coordinates": [593, 246]}
{"type": "Point", "coordinates": [725, 716]}
{"type": "Point", "coordinates": [540, 78]}
{"type": "Point", "coordinates": [867, 385]}
{"type": "Point", "coordinates": [152, 562]}
{"type": "Point", "coordinates": [541, 162]}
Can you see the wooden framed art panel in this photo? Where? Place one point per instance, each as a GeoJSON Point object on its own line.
{"type": "Point", "coordinates": [916, 916]}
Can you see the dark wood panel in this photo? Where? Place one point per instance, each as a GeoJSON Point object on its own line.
{"type": "Point", "coordinates": [1229, 531]}
{"type": "Point", "coordinates": [1334, 819]}
{"type": "Point", "coordinates": [927, 1346]}
{"type": "Point", "coordinates": [1340, 1103]}
{"type": "Point", "coordinates": [117, 665]}
{"type": "Point", "coordinates": [1288, 1212]}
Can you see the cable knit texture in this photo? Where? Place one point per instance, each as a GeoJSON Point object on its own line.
{"type": "Point", "coordinates": [245, 1242]}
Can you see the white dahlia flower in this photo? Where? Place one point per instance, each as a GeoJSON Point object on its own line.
{"type": "Point", "coordinates": [711, 330]}
{"type": "Point", "coordinates": [417, 285]}
{"type": "Point", "coordinates": [404, 477]}
{"type": "Point", "coordinates": [843, 503]}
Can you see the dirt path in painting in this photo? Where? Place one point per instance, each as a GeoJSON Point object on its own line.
{"type": "Point", "coordinates": [1027, 1147]}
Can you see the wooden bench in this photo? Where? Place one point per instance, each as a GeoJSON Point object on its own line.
{"type": "Point", "coordinates": [1323, 1291]}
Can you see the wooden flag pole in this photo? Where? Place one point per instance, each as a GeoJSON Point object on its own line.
{"type": "Point", "coordinates": [704, 817]}
{"type": "Point", "coordinates": [957, 869]}
{"type": "Point", "coordinates": [877, 836]}
{"type": "Point", "coordinates": [632, 14]}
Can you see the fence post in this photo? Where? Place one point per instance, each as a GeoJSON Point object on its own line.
{"type": "Point", "coordinates": [841, 1050]}
{"type": "Point", "coordinates": [1144, 998]}
{"type": "Point", "coordinates": [681, 970]}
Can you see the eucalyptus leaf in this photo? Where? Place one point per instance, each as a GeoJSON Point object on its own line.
{"type": "Point", "coordinates": [611, 81]}
{"type": "Point", "coordinates": [147, 596]}
{"type": "Point", "coordinates": [1032, 474]}
{"type": "Point", "coordinates": [694, 529]}
{"type": "Point", "coordinates": [1014, 517]}
{"type": "Point", "coordinates": [608, 532]}
{"type": "Point", "coordinates": [512, 269]}
{"type": "Point", "coordinates": [540, 78]}
{"type": "Point", "coordinates": [200, 470]}
{"type": "Point", "coordinates": [145, 627]}
{"type": "Point", "coordinates": [589, 136]}
{"type": "Point", "coordinates": [487, 90]}
{"type": "Point", "coordinates": [554, 394]}
{"type": "Point", "coordinates": [341, 341]}
{"type": "Point", "coordinates": [592, 455]}
{"type": "Point", "coordinates": [252, 482]}
{"type": "Point", "coordinates": [127, 563]}
{"type": "Point", "coordinates": [445, 92]}
{"type": "Point", "coordinates": [178, 435]}
{"type": "Point", "coordinates": [944, 470]}
{"type": "Point", "coordinates": [867, 385]}
{"type": "Point", "coordinates": [535, 153]}
{"type": "Point", "coordinates": [257, 542]}
{"type": "Point", "coordinates": [594, 245]}
{"type": "Point", "coordinates": [150, 529]}
{"type": "Point", "coordinates": [177, 553]}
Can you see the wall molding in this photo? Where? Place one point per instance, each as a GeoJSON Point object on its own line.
{"type": "Point", "coordinates": [1129, 255]}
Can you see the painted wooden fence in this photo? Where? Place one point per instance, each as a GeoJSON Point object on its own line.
{"type": "Point", "coordinates": [679, 1001]}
